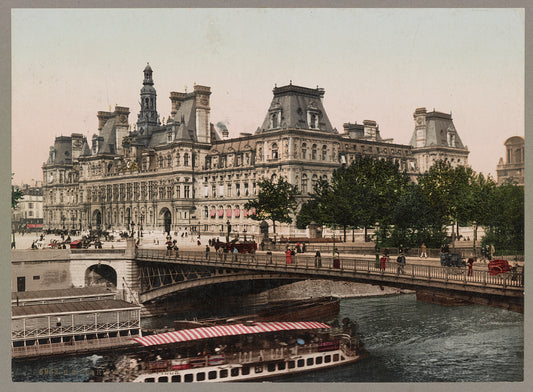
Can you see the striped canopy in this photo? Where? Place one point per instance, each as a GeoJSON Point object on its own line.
{"type": "Point", "coordinates": [185, 335]}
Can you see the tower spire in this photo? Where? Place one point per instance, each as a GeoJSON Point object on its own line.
{"type": "Point", "coordinates": [148, 117]}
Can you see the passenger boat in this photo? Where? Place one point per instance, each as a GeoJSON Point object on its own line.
{"type": "Point", "coordinates": [251, 351]}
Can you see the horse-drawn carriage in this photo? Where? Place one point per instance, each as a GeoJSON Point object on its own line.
{"type": "Point", "coordinates": [453, 262]}
{"type": "Point", "coordinates": [242, 246]}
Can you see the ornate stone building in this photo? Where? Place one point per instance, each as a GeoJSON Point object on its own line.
{"type": "Point", "coordinates": [188, 175]}
{"type": "Point", "coordinates": [513, 168]}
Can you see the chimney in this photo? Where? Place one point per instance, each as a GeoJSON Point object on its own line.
{"type": "Point", "coordinates": [102, 118]}
{"type": "Point", "coordinates": [176, 99]}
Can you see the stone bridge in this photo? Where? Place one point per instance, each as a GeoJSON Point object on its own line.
{"type": "Point", "coordinates": [163, 273]}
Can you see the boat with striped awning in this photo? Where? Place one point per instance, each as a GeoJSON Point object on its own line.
{"type": "Point", "coordinates": [249, 351]}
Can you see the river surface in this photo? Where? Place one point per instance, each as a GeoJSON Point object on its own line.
{"type": "Point", "coordinates": [408, 341]}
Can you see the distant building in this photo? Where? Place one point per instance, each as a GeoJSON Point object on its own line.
{"type": "Point", "coordinates": [28, 215]}
{"type": "Point", "coordinates": [512, 170]}
{"type": "Point", "coordinates": [186, 174]}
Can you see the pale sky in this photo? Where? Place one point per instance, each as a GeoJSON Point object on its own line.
{"type": "Point", "coordinates": [374, 64]}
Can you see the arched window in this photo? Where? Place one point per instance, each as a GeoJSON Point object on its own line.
{"type": "Point", "coordinates": [178, 159]}
{"type": "Point", "coordinates": [274, 151]}
{"type": "Point", "coordinates": [304, 150]}
{"type": "Point", "coordinates": [169, 160]}
{"type": "Point", "coordinates": [324, 152]}
{"type": "Point", "coordinates": [314, 180]}
{"type": "Point", "coordinates": [185, 159]}
{"type": "Point", "coordinates": [313, 152]}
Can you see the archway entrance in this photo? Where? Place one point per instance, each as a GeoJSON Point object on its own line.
{"type": "Point", "coordinates": [101, 275]}
{"type": "Point", "coordinates": [167, 220]}
{"type": "Point", "coordinates": [97, 219]}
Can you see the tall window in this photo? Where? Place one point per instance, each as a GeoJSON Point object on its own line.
{"type": "Point", "coordinates": [313, 121]}
{"type": "Point", "coordinates": [313, 152]}
{"type": "Point", "coordinates": [304, 150]}
{"type": "Point", "coordinates": [185, 159]}
{"type": "Point", "coordinates": [304, 183]}
{"type": "Point", "coordinates": [324, 152]}
{"type": "Point", "coordinates": [186, 191]}
{"type": "Point", "coordinates": [274, 151]}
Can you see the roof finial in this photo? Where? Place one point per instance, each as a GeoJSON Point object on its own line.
{"type": "Point", "coordinates": [291, 82]}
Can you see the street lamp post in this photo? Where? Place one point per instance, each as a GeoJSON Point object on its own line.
{"type": "Point", "coordinates": [474, 224]}
{"type": "Point", "coordinates": [229, 230]}
{"type": "Point", "coordinates": [377, 243]}
{"type": "Point", "coordinates": [244, 232]}
{"type": "Point", "coordinates": [140, 228]}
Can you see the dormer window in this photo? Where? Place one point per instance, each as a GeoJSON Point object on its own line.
{"type": "Point", "coordinates": [451, 139]}
{"type": "Point", "coordinates": [274, 120]}
{"type": "Point", "coordinates": [312, 118]}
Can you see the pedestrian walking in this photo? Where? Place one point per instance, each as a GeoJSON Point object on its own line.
{"type": "Point", "coordinates": [288, 256]}
{"type": "Point", "coordinates": [383, 262]}
{"type": "Point", "coordinates": [470, 263]}
{"type": "Point", "coordinates": [336, 259]}
{"type": "Point", "coordinates": [303, 248]}
{"type": "Point", "coordinates": [318, 259]}
{"type": "Point", "coordinates": [207, 250]}
{"type": "Point", "coordinates": [401, 263]}
{"type": "Point", "coordinates": [423, 250]}
{"type": "Point", "coordinates": [235, 251]}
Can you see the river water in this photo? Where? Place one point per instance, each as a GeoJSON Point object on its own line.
{"type": "Point", "coordinates": [408, 341]}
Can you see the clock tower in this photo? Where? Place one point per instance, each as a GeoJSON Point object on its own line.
{"type": "Point", "coordinates": [148, 117]}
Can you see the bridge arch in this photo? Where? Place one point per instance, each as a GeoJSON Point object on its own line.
{"type": "Point", "coordinates": [101, 275]}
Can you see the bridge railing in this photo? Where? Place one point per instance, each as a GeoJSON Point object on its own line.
{"type": "Point", "coordinates": [305, 263]}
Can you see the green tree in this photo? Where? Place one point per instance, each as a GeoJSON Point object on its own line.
{"type": "Point", "coordinates": [448, 192]}
{"type": "Point", "coordinates": [16, 195]}
{"type": "Point", "coordinates": [413, 222]}
{"type": "Point", "coordinates": [505, 223]}
{"type": "Point", "coordinates": [275, 201]}
{"type": "Point", "coordinates": [359, 195]}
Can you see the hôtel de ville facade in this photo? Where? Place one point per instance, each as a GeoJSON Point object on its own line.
{"type": "Point", "coordinates": [185, 173]}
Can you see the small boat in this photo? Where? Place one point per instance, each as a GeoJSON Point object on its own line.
{"type": "Point", "coordinates": [322, 309]}
{"type": "Point", "coordinates": [251, 351]}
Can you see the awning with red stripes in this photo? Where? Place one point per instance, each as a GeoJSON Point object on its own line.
{"type": "Point", "coordinates": [185, 335]}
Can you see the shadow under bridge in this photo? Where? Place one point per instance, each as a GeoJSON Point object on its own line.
{"type": "Point", "coordinates": [167, 277]}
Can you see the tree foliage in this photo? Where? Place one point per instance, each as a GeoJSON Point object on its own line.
{"type": "Point", "coordinates": [16, 195]}
{"type": "Point", "coordinates": [275, 201]}
{"type": "Point", "coordinates": [504, 224]}
{"type": "Point", "coordinates": [358, 196]}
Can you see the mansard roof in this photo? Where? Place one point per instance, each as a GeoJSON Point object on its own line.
{"type": "Point", "coordinates": [438, 125]}
{"type": "Point", "coordinates": [294, 104]}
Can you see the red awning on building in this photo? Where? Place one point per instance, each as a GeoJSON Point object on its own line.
{"type": "Point", "coordinates": [244, 213]}
{"type": "Point", "coordinates": [237, 212]}
{"type": "Point", "coordinates": [213, 213]}
{"type": "Point", "coordinates": [220, 213]}
{"type": "Point", "coordinates": [228, 212]}
{"type": "Point", "coordinates": [252, 211]}
{"type": "Point", "coordinates": [185, 335]}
